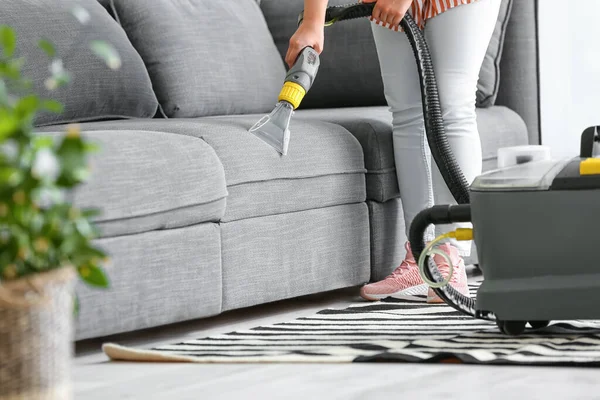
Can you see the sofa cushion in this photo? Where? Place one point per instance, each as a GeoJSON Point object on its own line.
{"type": "Point", "coordinates": [350, 55]}
{"type": "Point", "coordinates": [143, 181]}
{"type": "Point", "coordinates": [324, 165]}
{"type": "Point", "coordinates": [489, 75]}
{"type": "Point", "coordinates": [372, 126]}
{"type": "Point", "coordinates": [205, 57]}
{"type": "Point", "coordinates": [156, 278]}
{"type": "Point", "coordinates": [95, 91]}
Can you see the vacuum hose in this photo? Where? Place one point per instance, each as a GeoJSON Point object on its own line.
{"type": "Point", "coordinates": [440, 151]}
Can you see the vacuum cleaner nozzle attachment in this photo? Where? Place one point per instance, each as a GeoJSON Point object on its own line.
{"type": "Point", "coordinates": [273, 129]}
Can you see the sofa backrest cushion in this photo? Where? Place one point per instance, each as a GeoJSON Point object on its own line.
{"type": "Point", "coordinates": [349, 74]}
{"type": "Point", "coordinates": [489, 75]}
{"type": "Point", "coordinates": [519, 90]}
{"type": "Point", "coordinates": [95, 91]}
{"type": "Point", "coordinates": [205, 57]}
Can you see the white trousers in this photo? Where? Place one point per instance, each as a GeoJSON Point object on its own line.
{"type": "Point", "coordinates": [458, 40]}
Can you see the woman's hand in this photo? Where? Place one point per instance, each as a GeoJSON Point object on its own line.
{"type": "Point", "coordinates": [389, 12]}
{"type": "Point", "coordinates": [309, 34]}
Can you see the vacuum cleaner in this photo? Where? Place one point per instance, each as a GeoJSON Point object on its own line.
{"type": "Point", "coordinates": [532, 221]}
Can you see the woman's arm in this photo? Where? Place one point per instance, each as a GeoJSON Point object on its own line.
{"type": "Point", "coordinates": [310, 33]}
{"type": "Point", "coordinates": [314, 11]}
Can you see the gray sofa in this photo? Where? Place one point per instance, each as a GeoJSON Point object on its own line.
{"type": "Point", "coordinates": [200, 217]}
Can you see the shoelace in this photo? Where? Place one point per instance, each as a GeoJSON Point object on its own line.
{"type": "Point", "coordinates": [405, 266]}
{"type": "Point", "coordinates": [444, 268]}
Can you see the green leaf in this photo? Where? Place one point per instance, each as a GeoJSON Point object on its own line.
{"type": "Point", "coordinates": [9, 125]}
{"type": "Point", "coordinates": [3, 93]}
{"type": "Point", "coordinates": [52, 106]}
{"type": "Point", "coordinates": [58, 81]}
{"type": "Point", "coordinates": [91, 213]}
{"type": "Point", "coordinates": [40, 142]}
{"type": "Point", "coordinates": [47, 47]}
{"type": "Point", "coordinates": [93, 276]}
{"type": "Point", "coordinates": [12, 68]}
{"type": "Point", "coordinates": [91, 147]}
{"type": "Point", "coordinates": [8, 39]}
{"type": "Point", "coordinates": [107, 53]}
{"type": "Point", "coordinates": [71, 154]}
{"type": "Point", "coordinates": [10, 176]}
{"type": "Point", "coordinates": [28, 104]}
{"type": "Point", "coordinates": [76, 305]}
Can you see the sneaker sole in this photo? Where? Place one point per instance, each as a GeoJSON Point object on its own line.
{"type": "Point", "coordinates": [435, 299]}
{"type": "Point", "coordinates": [415, 293]}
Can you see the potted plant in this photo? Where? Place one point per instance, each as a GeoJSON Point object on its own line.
{"type": "Point", "coordinates": [45, 241]}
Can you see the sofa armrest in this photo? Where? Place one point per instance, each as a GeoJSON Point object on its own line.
{"type": "Point", "coordinates": [519, 80]}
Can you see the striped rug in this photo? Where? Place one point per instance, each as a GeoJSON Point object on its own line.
{"type": "Point", "coordinates": [388, 330]}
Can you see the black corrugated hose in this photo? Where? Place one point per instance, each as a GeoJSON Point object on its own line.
{"type": "Point", "coordinates": [440, 151]}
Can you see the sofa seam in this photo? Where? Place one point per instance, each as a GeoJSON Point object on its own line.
{"type": "Point", "coordinates": [357, 172]}
{"type": "Point", "coordinates": [224, 197]}
{"type": "Point", "coordinates": [293, 212]}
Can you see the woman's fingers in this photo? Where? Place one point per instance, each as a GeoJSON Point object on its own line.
{"type": "Point", "coordinates": [396, 21]}
{"type": "Point", "coordinates": [375, 16]}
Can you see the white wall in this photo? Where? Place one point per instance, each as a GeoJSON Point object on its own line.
{"type": "Point", "coordinates": [569, 34]}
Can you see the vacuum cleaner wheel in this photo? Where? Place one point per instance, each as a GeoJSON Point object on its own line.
{"type": "Point", "coordinates": [511, 328]}
{"type": "Point", "coordinates": [515, 328]}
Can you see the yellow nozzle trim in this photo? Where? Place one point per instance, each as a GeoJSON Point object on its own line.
{"type": "Point", "coordinates": [292, 93]}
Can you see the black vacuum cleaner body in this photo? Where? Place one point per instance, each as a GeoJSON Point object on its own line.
{"type": "Point", "coordinates": [535, 229]}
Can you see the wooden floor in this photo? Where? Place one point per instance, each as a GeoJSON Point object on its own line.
{"type": "Point", "coordinates": [97, 378]}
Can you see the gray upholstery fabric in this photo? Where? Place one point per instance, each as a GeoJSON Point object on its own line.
{"type": "Point", "coordinates": [157, 278]}
{"type": "Point", "coordinates": [387, 237]}
{"type": "Point", "coordinates": [95, 91]}
{"type": "Point", "coordinates": [280, 196]}
{"type": "Point", "coordinates": [257, 175]}
{"type": "Point", "coordinates": [350, 55]}
{"type": "Point", "coordinates": [143, 181]}
{"type": "Point", "coordinates": [372, 126]}
{"type": "Point", "coordinates": [205, 57]}
{"type": "Point", "coordinates": [519, 66]}
{"type": "Point", "coordinates": [277, 257]}
{"type": "Point", "coordinates": [489, 75]}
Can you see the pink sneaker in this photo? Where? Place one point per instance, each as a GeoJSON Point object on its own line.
{"type": "Point", "coordinates": [459, 276]}
{"type": "Point", "coordinates": [404, 283]}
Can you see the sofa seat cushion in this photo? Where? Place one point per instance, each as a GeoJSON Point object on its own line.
{"type": "Point", "coordinates": [143, 181]}
{"type": "Point", "coordinates": [324, 166]}
{"type": "Point", "coordinates": [372, 126]}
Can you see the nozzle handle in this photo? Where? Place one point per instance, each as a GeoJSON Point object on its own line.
{"type": "Point", "coordinates": [304, 71]}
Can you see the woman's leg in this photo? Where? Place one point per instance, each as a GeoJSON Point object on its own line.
{"type": "Point", "coordinates": [458, 40]}
{"type": "Point", "coordinates": [403, 95]}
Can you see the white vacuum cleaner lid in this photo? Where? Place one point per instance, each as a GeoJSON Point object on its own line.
{"type": "Point", "coordinates": [534, 175]}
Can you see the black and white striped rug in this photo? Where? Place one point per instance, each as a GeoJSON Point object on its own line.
{"type": "Point", "coordinates": [388, 330]}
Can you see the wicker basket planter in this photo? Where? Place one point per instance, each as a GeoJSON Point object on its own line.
{"type": "Point", "coordinates": [36, 336]}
